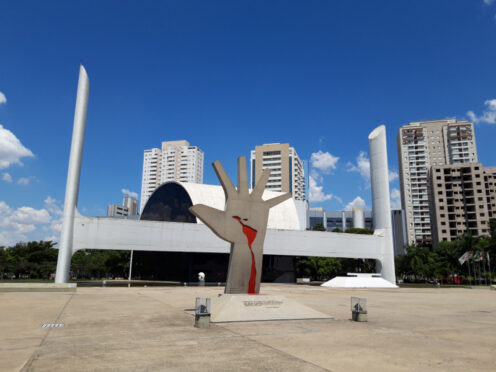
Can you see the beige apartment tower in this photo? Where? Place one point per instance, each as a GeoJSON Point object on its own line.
{"type": "Point", "coordinates": [422, 145]}
{"type": "Point", "coordinates": [463, 200]}
{"type": "Point", "coordinates": [287, 173]}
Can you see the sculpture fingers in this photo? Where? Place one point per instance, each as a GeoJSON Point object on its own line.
{"type": "Point", "coordinates": [242, 176]}
{"type": "Point", "coordinates": [260, 184]}
{"type": "Point", "coordinates": [277, 200]}
{"type": "Point", "coordinates": [224, 179]}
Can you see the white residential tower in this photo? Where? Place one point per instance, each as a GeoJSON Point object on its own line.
{"type": "Point", "coordinates": [175, 161]}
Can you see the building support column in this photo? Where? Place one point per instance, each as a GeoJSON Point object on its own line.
{"type": "Point", "coordinates": [73, 176]}
{"type": "Point", "coordinates": [381, 206]}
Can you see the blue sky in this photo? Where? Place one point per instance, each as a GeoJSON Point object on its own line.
{"type": "Point", "coordinates": [228, 75]}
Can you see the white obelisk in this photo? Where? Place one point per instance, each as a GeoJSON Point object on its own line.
{"type": "Point", "coordinates": [73, 175]}
{"type": "Point", "coordinates": [381, 206]}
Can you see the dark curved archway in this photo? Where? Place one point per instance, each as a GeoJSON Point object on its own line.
{"type": "Point", "coordinates": [169, 202]}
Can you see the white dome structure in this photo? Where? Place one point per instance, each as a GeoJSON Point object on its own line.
{"type": "Point", "coordinates": [284, 216]}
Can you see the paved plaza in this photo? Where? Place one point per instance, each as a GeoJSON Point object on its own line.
{"type": "Point", "coordinates": [151, 329]}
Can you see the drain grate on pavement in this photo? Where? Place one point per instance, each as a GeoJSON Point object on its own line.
{"type": "Point", "coordinates": [52, 325]}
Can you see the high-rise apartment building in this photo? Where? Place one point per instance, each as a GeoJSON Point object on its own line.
{"type": "Point", "coordinates": [175, 161]}
{"type": "Point", "coordinates": [287, 173]}
{"type": "Point", "coordinates": [422, 145]}
{"type": "Point", "coordinates": [131, 204]}
{"type": "Point", "coordinates": [129, 207]}
{"type": "Point", "coordinates": [463, 200]}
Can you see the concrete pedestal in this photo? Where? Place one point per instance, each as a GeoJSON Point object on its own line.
{"type": "Point", "coordinates": [202, 321]}
{"type": "Point", "coordinates": [245, 308]}
{"type": "Point", "coordinates": [359, 317]}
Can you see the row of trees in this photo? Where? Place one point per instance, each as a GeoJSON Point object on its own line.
{"type": "Point", "coordinates": [324, 268]}
{"type": "Point", "coordinates": [418, 264]}
{"type": "Point", "coordinates": [422, 263]}
{"type": "Point", "coordinates": [38, 260]}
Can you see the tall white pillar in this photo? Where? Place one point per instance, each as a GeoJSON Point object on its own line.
{"type": "Point", "coordinates": [73, 174]}
{"type": "Point", "coordinates": [381, 206]}
{"type": "Point", "coordinates": [358, 218]}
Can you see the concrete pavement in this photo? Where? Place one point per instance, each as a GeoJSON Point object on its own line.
{"type": "Point", "coordinates": [151, 329]}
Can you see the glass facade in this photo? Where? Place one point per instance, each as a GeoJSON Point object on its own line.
{"type": "Point", "coordinates": [169, 202]}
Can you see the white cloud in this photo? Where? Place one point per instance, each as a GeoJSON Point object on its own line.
{"type": "Point", "coordinates": [3, 99]}
{"type": "Point", "coordinates": [24, 181]}
{"type": "Point", "coordinates": [488, 115]}
{"type": "Point", "coordinates": [4, 209]}
{"type": "Point", "coordinates": [11, 149]}
{"type": "Point", "coordinates": [15, 224]}
{"type": "Point", "coordinates": [395, 199]}
{"type": "Point", "coordinates": [53, 206]}
{"type": "Point", "coordinates": [316, 176]}
{"type": "Point", "coordinates": [56, 210]}
{"type": "Point", "coordinates": [30, 215]}
{"type": "Point", "coordinates": [6, 177]}
{"type": "Point", "coordinates": [52, 238]}
{"type": "Point", "coordinates": [362, 165]}
{"type": "Point", "coordinates": [27, 223]}
{"type": "Point", "coordinates": [130, 193]}
{"type": "Point", "coordinates": [488, 2]}
{"type": "Point", "coordinates": [392, 175]}
{"type": "Point", "coordinates": [323, 161]}
{"type": "Point", "coordinates": [316, 193]}
{"type": "Point", "coordinates": [358, 202]}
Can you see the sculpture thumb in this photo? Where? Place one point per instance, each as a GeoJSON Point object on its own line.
{"type": "Point", "coordinates": [212, 217]}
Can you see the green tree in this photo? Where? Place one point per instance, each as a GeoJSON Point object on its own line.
{"type": "Point", "coordinates": [35, 260]}
{"type": "Point", "coordinates": [4, 262]}
{"type": "Point", "coordinates": [358, 230]}
{"type": "Point", "coordinates": [448, 254]}
{"type": "Point", "coordinates": [318, 227]}
{"type": "Point", "coordinates": [98, 264]}
{"type": "Point", "coordinates": [318, 268]}
{"type": "Point", "coordinates": [418, 264]}
{"type": "Point", "coordinates": [323, 268]}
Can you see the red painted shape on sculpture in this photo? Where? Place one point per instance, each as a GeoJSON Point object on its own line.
{"type": "Point", "coordinates": [250, 234]}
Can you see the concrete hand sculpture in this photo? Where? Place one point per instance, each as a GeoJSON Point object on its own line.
{"type": "Point", "coordinates": [243, 223]}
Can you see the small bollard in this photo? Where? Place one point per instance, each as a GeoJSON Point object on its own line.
{"type": "Point", "coordinates": [359, 309]}
{"type": "Point", "coordinates": [202, 312]}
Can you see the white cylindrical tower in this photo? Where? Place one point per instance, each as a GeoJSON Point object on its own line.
{"type": "Point", "coordinates": [73, 175]}
{"type": "Point", "coordinates": [358, 218]}
{"type": "Point", "coordinates": [380, 199]}
{"type": "Point", "coordinates": [343, 220]}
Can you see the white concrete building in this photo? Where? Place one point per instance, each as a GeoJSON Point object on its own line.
{"type": "Point", "coordinates": [175, 161]}
{"type": "Point", "coordinates": [422, 145]}
{"type": "Point", "coordinates": [287, 174]}
{"type": "Point", "coordinates": [79, 232]}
